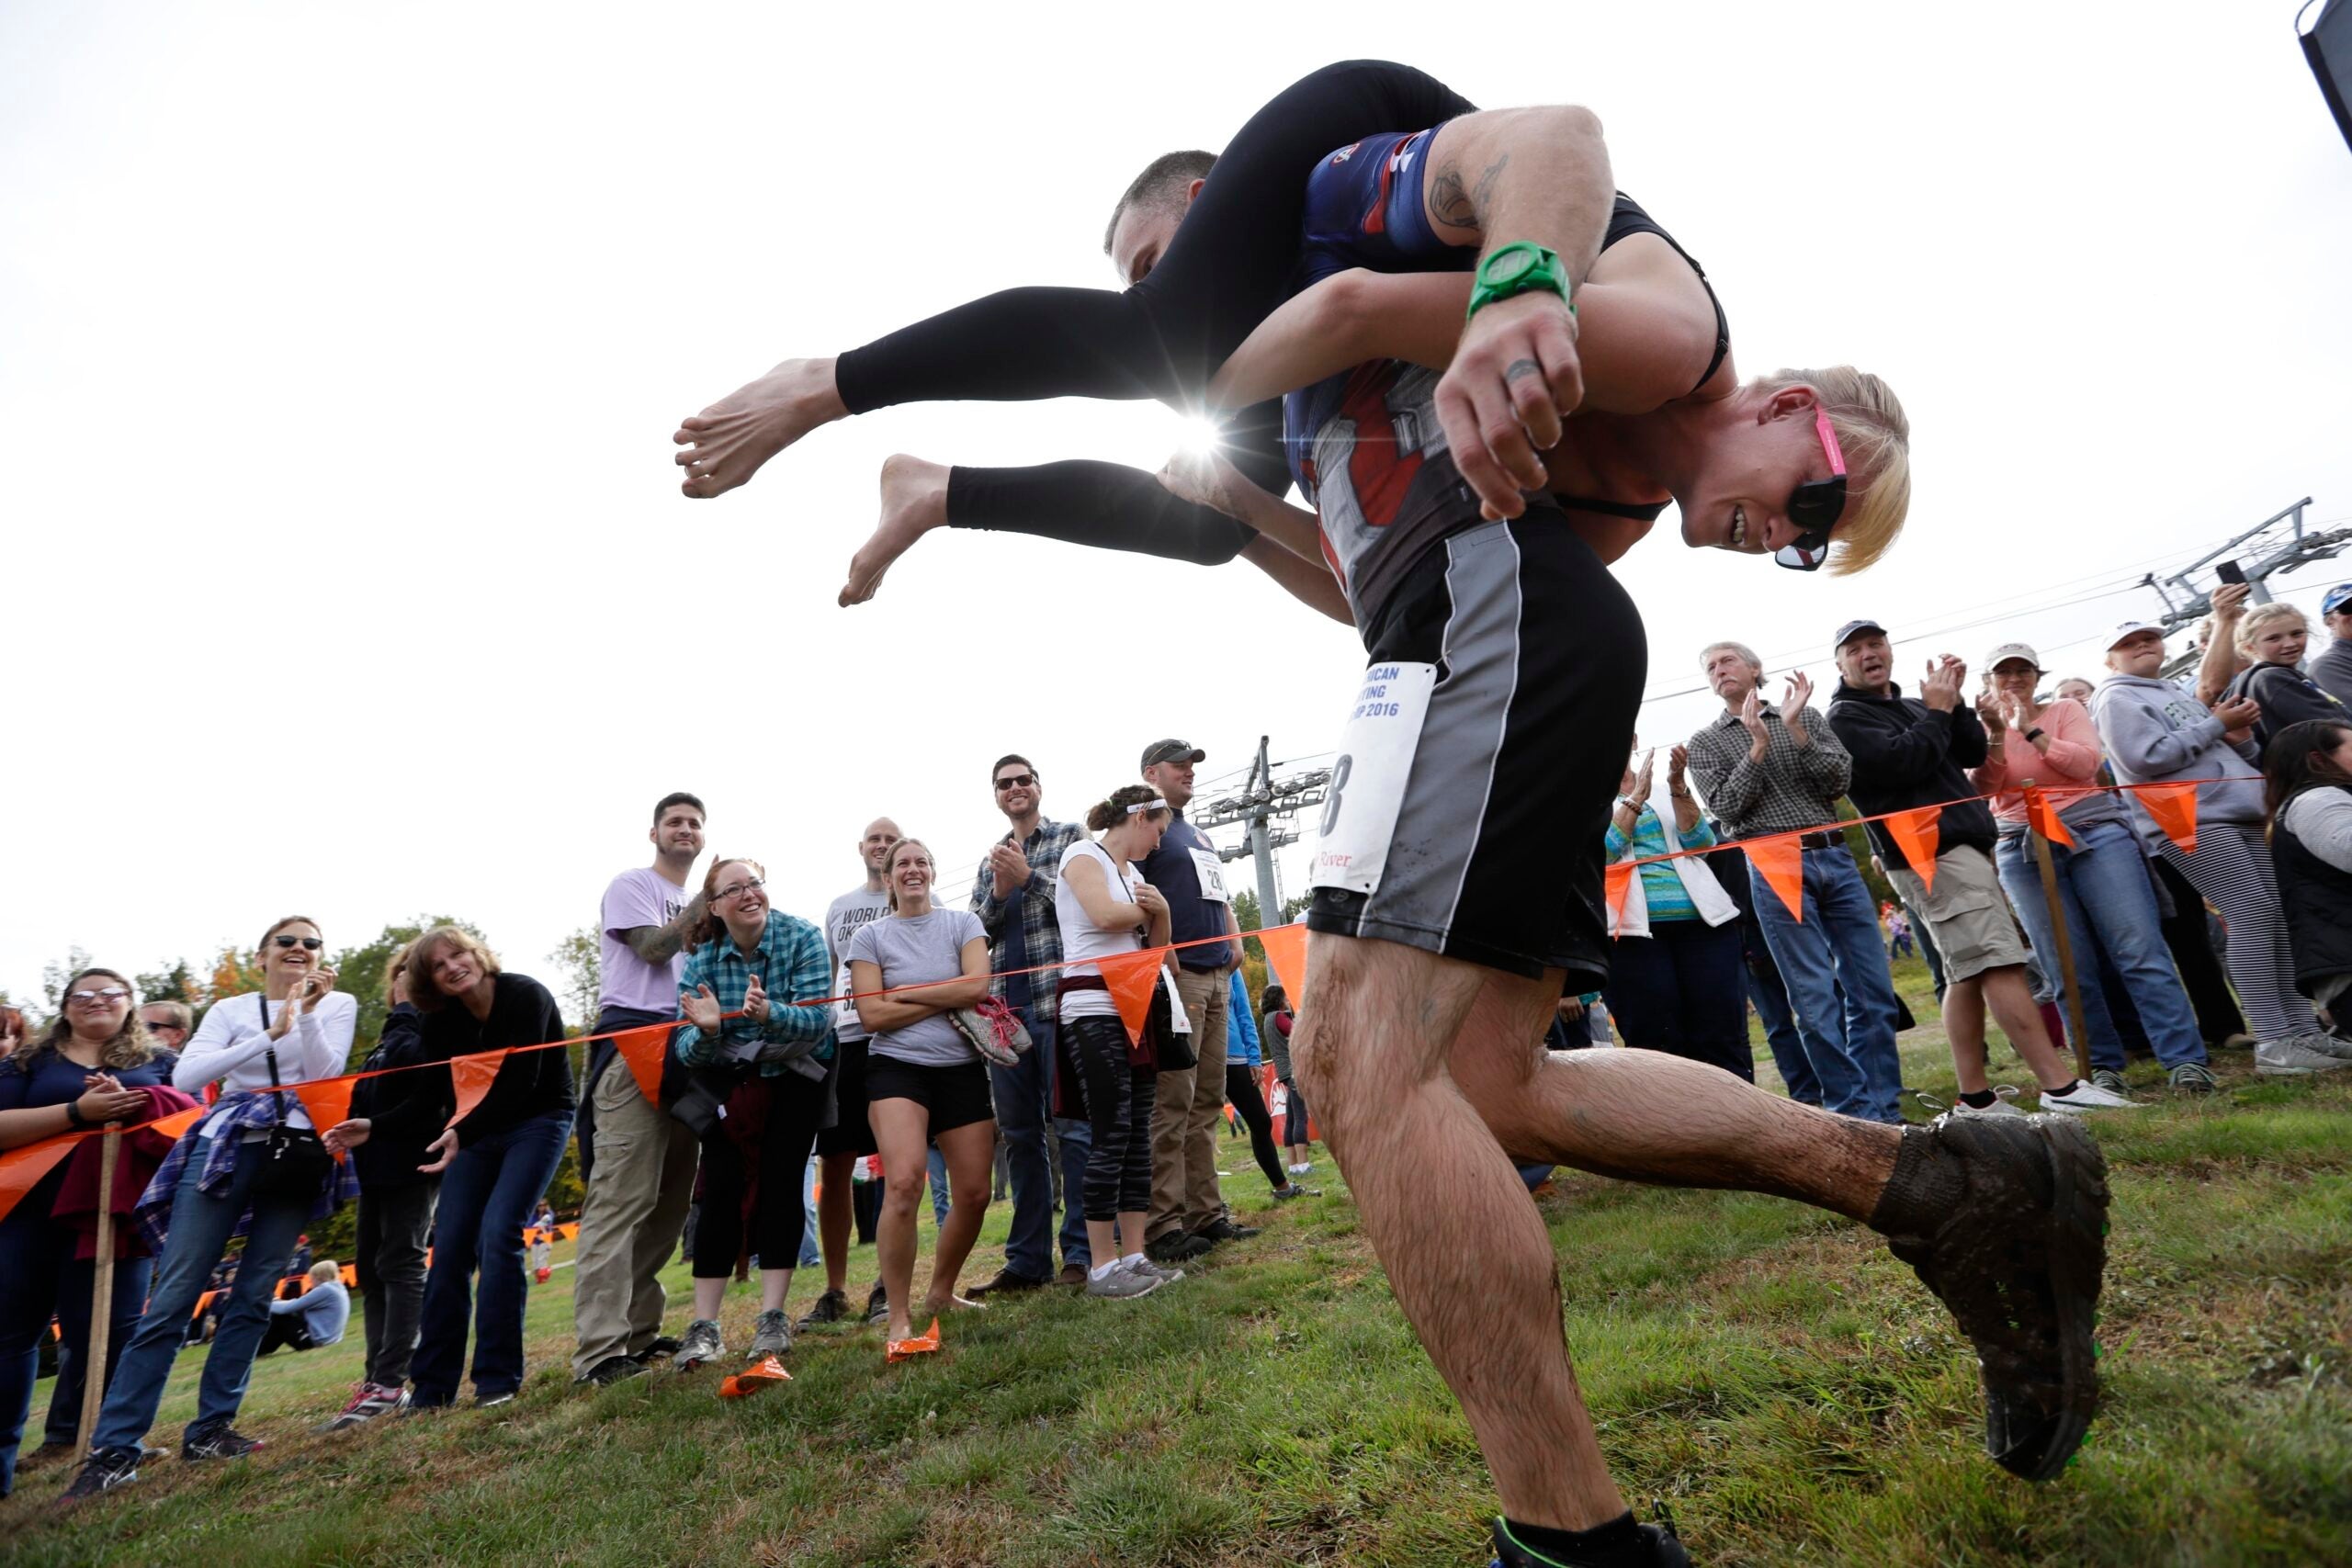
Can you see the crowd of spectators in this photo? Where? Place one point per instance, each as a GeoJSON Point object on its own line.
{"type": "Point", "coordinates": [938, 1040]}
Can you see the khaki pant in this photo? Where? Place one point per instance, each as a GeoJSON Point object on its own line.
{"type": "Point", "coordinates": [1184, 1194]}
{"type": "Point", "coordinates": [638, 1196]}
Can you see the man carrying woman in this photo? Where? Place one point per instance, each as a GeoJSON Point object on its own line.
{"type": "Point", "coordinates": [761, 1086]}
{"type": "Point", "coordinates": [498, 1156]}
{"type": "Point", "coordinates": [253, 1166]}
{"type": "Point", "coordinates": [925, 1083]}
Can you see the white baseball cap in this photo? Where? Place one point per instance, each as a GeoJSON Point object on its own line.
{"type": "Point", "coordinates": [2013, 650]}
{"type": "Point", "coordinates": [2130, 628]}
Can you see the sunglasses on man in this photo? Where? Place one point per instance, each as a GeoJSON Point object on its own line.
{"type": "Point", "coordinates": [1815, 505]}
{"type": "Point", "coordinates": [1018, 781]}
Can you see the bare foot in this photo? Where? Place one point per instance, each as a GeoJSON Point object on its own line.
{"type": "Point", "coordinates": [915, 502]}
{"type": "Point", "coordinates": [940, 1306]}
{"type": "Point", "coordinates": [724, 445]}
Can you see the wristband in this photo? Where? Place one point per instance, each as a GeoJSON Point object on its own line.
{"type": "Point", "coordinates": [2035, 733]}
{"type": "Point", "coordinates": [1519, 267]}
{"type": "Point", "coordinates": [74, 1117]}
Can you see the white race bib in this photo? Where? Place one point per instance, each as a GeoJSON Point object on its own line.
{"type": "Point", "coordinates": [1210, 871]}
{"type": "Point", "coordinates": [846, 1011]}
{"type": "Point", "coordinates": [1367, 788]}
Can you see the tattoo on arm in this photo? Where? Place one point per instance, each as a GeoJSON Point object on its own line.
{"type": "Point", "coordinates": [659, 944]}
{"type": "Point", "coordinates": [1449, 201]}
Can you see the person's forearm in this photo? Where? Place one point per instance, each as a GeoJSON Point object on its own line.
{"type": "Point", "coordinates": [659, 944]}
{"type": "Point", "coordinates": [1342, 321]}
{"type": "Point", "coordinates": [2220, 665]}
{"type": "Point", "coordinates": [1540, 175]}
{"type": "Point", "coordinates": [900, 1009]}
{"type": "Point", "coordinates": [20, 1127]}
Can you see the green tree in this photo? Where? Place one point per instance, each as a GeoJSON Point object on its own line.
{"type": "Point", "coordinates": [175, 982]}
{"type": "Point", "coordinates": [579, 961]}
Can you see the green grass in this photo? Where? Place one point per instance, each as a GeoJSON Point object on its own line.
{"type": "Point", "coordinates": [1788, 1389]}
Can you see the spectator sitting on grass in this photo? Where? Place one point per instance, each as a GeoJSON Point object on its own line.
{"type": "Point", "coordinates": [314, 1318]}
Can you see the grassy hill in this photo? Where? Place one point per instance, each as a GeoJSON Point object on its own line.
{"type": "Point", "coordinates": [1788, 1389]}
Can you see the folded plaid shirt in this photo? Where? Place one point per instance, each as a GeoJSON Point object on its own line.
{"type": "Point", "coordinates": [1041, 933]}
{"type": "Point", "coordinates": [790, 962]}
{"type": "Point", "coordinates": [247, 1113]}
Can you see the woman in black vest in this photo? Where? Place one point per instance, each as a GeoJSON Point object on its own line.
{"type": "Point", "coordinates": [2309, 769]}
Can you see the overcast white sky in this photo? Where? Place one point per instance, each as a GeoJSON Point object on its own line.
{"type": "Point", "coordinates": [340, 348]}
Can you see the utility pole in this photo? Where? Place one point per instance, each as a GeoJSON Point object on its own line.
{"type": "Point", "coordinates": [2276, 544]}
{"type": "Point", "coordinates": [1262, 799]}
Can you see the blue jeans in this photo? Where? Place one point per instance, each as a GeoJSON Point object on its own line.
{"type": "Point", "coordinates": [1770, 999]}
{"type": "Point", "coordinates": [1024, 1098]}
{"type": "Point", "coordinates": [2111, 906]}
{"type": "Point", "coordinates": [487, 1195]}
{"type": "Point", "coordinates": [39, 1276]}
{"type": "Point", "coordinates": [936, 1164]}
{"type": "Point", "coordinates": [1835, 973]}
{"type": "Point", "coordinates": [199, 1237]}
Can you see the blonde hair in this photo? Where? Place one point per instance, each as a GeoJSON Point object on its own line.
{"type": "Point", "coordinates": [428, 996]}
{"type": "Point", "coordinates": [1875, 436]}
{"type": "Point", "coordinates": [324, 1269]}
{"type": "Point", "coordinates": [891, 865]}
{"type": "Point", "coordinates": [2262, 617]}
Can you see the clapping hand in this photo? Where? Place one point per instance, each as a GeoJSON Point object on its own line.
{"type": "Point", "coordinates": [1798, 693]}
{"type": "Point", "coordinates": [755, 1001]}
{"type": "Point", "coordinates": [105, 1099]}
{"type": "Point", "coordinates": [1678, 762]}
{"type": "Point", "coordinates": [1751, 717]}
{"type": "Point", "coordinates": [1010, 868]}
{"type": "Point", "coordinates": [701, 1008]}
{"type": "Point", "coordinates": [1988, 710]}
{"type": "Point", "coordinates": [1941, 688]}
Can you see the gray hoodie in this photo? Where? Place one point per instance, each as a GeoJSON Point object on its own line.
{"type": "Point", "coordinates": [2156, 733]}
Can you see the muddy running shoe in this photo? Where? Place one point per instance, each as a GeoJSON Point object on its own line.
{"type": "Point", "coordinates": [2193, 1077]}
{"type": "Point", "coordinates": [220, 1441]}
{"type": "Point", "coordinates": [104, 1469]}
{"type": "Point", "coordinates": [702, 1344]}
{"type": "Point", "coordinates": [832, 1307]}
{"type": "Point", "coordinates": [1658, 1547]}
{"type": "Point", "coordinates": [2005, 1220]}
{"type": "Point", "coordinates": [772, 1335]}
{"type": "Point", "coordinates": [367, 1400]}
{"type": "Point", "coordinates": [877, 1308]}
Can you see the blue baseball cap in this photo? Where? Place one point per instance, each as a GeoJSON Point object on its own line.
{"type": "Point", "coordinates": [2337, 597]}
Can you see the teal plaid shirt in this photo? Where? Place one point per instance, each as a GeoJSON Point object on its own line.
{"type": "Point", "coordinates": [790, 962]}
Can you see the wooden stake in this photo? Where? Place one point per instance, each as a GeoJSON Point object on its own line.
{"type": "Point", "coordinates": [94, 1364]}
{"type": "Point", "coordinates": [2065, 955]}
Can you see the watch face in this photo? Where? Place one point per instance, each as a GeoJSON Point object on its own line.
{"type": "Point", "coordinates": [1508, 265]}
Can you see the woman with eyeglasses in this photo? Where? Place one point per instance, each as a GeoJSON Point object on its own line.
{"type": "Point", "coordinates": [251, 1166]}
{"type": "Point", "coordinates": [92, 1066]}
{"type": "Point", "coordinates": [771, 1072]}
{"type": "Point", "coordinates": [923, 1083]}
{"type": "Point", "coordinates": [494, 1161]}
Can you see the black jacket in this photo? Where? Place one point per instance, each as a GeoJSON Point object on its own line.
{"type": "Point", "coordinates": [529, 1084]}
{"type": "Point", "coordinates": [389, 1158]}
{"type": "Point", "coordinates": [2318, 901]}
{"type": "Point", "coordinates": [1907, 754]}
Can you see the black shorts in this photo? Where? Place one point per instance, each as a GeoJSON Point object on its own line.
{"type": "Point", "coordinates": [852, 1133]}
{"type": "Point", "coordinates": [955, 1097]}
{"type": "Point", "coordinates": [1495, 855]}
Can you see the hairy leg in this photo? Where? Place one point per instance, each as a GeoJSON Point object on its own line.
{"type": "Point", "coordinates": [1371, 1048]}
{"type": "Point", "coordinates": [724, 445]}
{"type": "Point", "coordinates": [2010, 997]}
{"type": "Point", "coordinates": [915, 502]}
{"type": "Point", "coordinates": [902, 1129]}
{"type": "Point", "coordinates": [969, 1150]}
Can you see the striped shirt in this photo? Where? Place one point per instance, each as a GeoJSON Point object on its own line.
{"type": "Point", "coordinates": [1662, 887]}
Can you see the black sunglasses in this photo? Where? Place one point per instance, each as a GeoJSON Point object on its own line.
{"type": "Point", "coordinates": [1816, 505]}
{"type": "Point", "coordinates": [1018, 781]}
{"type": "Point", "coordinates": [312, 942]}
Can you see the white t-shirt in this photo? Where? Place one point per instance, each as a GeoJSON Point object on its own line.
{"type": "Point", "coordinates": [848, 915]}
{"type": "Point", "coordinates": [1082, 938]}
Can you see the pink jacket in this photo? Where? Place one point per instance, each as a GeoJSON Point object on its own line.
{"type": "Point", "coordinates": [2068, 772]}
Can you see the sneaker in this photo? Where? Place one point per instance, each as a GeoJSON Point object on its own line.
{"type": "Point", "coordinates": [493, 1401]}
{"type": "Point", "coordinates": [1285, 1194]}
{"type": "Point", "coordinates": [1224, 1229]}
{"type": "Point", "coordinates": [1998, 1107]}
{"type": "Point", "coordinates": [369, 1401]}
{"type": "Point", "coordinates": [2084, 1096]}
{"type": "Point", "coordinates": [1175, 1246]}
{"type": "Point", "coordinates": [2193, 1077]}
{"type": "Point", "coordinates": [664, 1346]}
{"type": "Point", "coordinates": [877, 1308]}
{"type": "Point", "coordinates": [2005, 1220]}
{"type": "Point", "coordinates": [702, 1344]}
{"type": "Point", "coordinates": [1167, 1276]}
{"type": "Point", "coordinates": [1123, 1283]}
{"type": "Point", "coordinates": [832, 1307]}
{"type": "Point", "coordinates": [2327, 1045]}
{"type": "Point", "coordinates": [2292, 1058]}
{"type": "Point", "coordinates": [2108, 1080]}
{"type": "Point", "coordinates": [104, 1469]}
{"type": "Point", "coordinates": [772, 1335]}
{"type": "Point", "coordinates": [219, 1440]}
{"type": "Point", "coordinates": [612, 1370]}
{"type": "Point", "coordinates": [1006, 1283]}
{"type": "Point", "coordinates": [1659, 1548]}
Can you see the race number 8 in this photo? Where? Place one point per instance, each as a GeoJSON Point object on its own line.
{"type": "Point", "coordinates": [1339, 771]}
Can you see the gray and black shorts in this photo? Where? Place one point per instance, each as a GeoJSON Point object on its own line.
{"type": "Point", "coordinates": [1496, 856]}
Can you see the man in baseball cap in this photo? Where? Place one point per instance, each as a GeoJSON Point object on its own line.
{"type": "Point", "coordinates": [2331, 667]}
{"type": "Point", "coordinates": [1853, 629]}
{"type": "Point", "coordinates": [1182, 752]}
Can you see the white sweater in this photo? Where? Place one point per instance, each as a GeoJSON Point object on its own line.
{"type": "Point", "coordinates": [233, 1042]}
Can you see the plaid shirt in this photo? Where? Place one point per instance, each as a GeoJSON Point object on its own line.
{"type": "Point", "coordinates": [1795, 789]}
{"type": "Point", "coordinates": [1041, 933]}
{"type": "Point", "coordinates": [790, 962]}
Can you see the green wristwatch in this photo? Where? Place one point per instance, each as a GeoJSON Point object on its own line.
{"type": "Point", "coordinates": [1519, 267]}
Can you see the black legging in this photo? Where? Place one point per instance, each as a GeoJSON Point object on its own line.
{"type": "Point", "coordinates": [1118, 1099]}
{"type": "Point", "coordinates": [1226, 270]}
{"type": "Point", "coordinates": [778, 1219]}
{"type": "Point", "coordinates": [1241, 1093]}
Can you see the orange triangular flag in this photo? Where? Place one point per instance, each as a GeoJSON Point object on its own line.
{"type": "Point", "coordinates": [1129, 978]}
{"type": "Point", "coordinates": [21, 1168]}
{"type": "Point", "coordinates": [2042, 816]}
{"type": "Point", "coordinates": [470, 1077]}
{"type": "Point", "coordinates": [2174, 806]}
{"type": "Point", "coordinates": [1915, 834]}
{"type": "Point", "coordinates": [1616, 881]}
{"type": "Point", "coordinates": [328, 1100]}
{"type": "Point", "coordinates": [1286, 956]}
{"type": "Point", "coordinates": [1780, 862]}
{"type": "Point", "coordinates": [179, 1122]}
{"type": "Point", "coordinates": [642, 1049]}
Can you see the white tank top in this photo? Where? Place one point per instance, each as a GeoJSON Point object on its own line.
{"type": "Point", "coordinates": [1082, 939]}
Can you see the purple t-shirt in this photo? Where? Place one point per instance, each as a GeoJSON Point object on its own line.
{"type": "Point", "coordinates": [641, 896]}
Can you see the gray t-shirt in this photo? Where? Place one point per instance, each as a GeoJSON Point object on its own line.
{"type": "Point", "coordinates": [2332, 668]}
{"type": "Point", "coordinates": [849, 914]}
{"type": "Point", "coordinates": [910, 952]}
